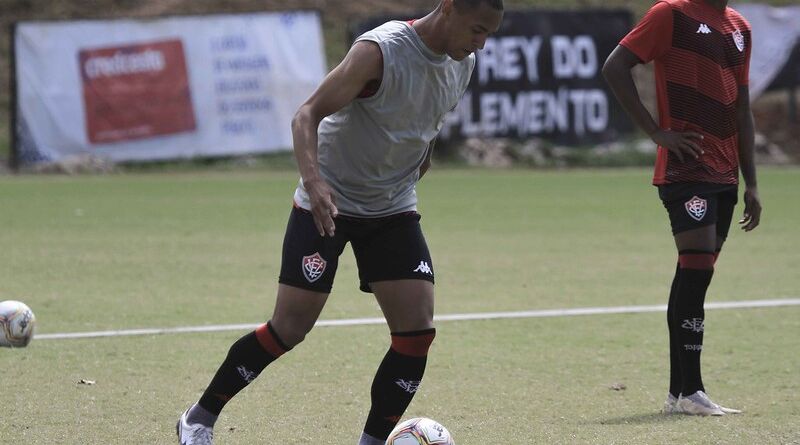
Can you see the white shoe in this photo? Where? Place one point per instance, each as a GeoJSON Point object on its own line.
{"type": "Point", "coordinates": [729, 410]}
{"type": "Point", "coordinates": [671, 405]}
{"type": "Point", "coordinates": [193, 434]}
{"type": "Point", "coordinates": [698, 404]}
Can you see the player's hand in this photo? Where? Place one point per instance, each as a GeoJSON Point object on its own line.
{"type": "Point", "coordinates": [323, 206]}
{"type": "Point", "coordinates": [680, 143]}
{"type": "Point", "coordinates": [752, 209]}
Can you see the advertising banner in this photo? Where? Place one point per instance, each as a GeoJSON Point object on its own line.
{"type": "Point", "coordinates": [776, 38]}
{"type": "Point", "coordinates": [179, 87]}
{"type": "Point", "coordinates": [539, 76]}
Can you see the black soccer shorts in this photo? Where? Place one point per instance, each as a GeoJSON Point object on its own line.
{"type": "Point", "coordinates": [691, 205]}
{"type": "Point", "coordinates": [386, 248]}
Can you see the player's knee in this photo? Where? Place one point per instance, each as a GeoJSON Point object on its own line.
{"type": "Point", "coordinates": [699, 260]}
{"type": "Point", "coordinates": [271, 341]}
{"type": "Point", "coordinates": [413, 343]}
{"type": "Point", "coordinates": [292, 330]}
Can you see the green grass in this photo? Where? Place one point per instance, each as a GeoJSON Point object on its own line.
{"type": "Point", "coordinates": [164, 250]}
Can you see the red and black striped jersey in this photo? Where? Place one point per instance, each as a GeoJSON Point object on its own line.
{"type": "Point", "coordinates": [702, 57]}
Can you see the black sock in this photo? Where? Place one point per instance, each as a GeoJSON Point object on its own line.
{"type": "Point", "coordinates": [675, 381]}
{"type": "Point", "coordinates": [246, 358]}
{"type": "Point", "coordinates": [397, 380]}
{"type": "Point", "coordinates": [689, 323]}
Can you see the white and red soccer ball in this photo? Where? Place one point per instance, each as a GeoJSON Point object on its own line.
{"type": "Point", "coordinates": [420, 431]}
{"type": "Point", "coordinates": [16, 324]}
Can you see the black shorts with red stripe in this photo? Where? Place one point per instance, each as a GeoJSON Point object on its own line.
{"type": "Point", "coordinates": [386, 248]}
{"type": "Point", "coordinates": [692, 205]}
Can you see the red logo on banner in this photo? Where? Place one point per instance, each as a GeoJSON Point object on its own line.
{"type": "Point", "coordinates": [136, 91]}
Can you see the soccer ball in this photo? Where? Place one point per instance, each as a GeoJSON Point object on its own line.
{"type": "Point", "coordinates": [420, 431]}
{"type": "Point", "coordinates": [16, 324]}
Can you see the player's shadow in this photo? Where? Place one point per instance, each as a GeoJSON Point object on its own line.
{"type": "Point", "coordinates": [649, 418]}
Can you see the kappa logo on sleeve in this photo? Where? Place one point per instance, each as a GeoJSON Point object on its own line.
{"type": "Point", "coordinates": [313, 267]}
{"type": "Point", "coordinates": [696, 207]}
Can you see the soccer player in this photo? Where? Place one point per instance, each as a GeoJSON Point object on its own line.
{"type": "Point", "coordinates": [701, 50]}
{"type": "Point", "coordinates": [362, 141]}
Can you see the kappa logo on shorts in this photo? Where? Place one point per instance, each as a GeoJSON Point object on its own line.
{"type": "Point", "coordinates": [696, 207]}
{"type": "Point", "coordinates": [313, 267]}
{"type": "Point", "coordinates": [424, 268]}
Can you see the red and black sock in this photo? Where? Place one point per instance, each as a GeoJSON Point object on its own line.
{"type": "Point", "coordinates": [696, 270]}
{"type": "Point", "coordinates": [675, 381]}
{"type": "Point", "coordinates": [397, 380]}
{"type": "Point", "coordinates": [246, 358]}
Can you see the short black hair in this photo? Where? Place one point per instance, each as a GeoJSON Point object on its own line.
{"type": "Point", "coordinates": [470, 4]}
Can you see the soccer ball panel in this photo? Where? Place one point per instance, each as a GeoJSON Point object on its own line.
{"type": "Point", "coordinates": [16, 324]}
{"type": "Point", "coordinates": [406, 438]}
{"type": "Point", "coordinates": [420, 431]}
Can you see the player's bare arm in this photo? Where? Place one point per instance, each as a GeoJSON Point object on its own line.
{"type": "Point", "coordinates": [362, 64]}
{"type": "Point", "coordinates": [617, 72]}
{"type": "Point", "coordinates": [752, 203]}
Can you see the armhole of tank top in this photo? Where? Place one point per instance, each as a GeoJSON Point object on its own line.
{"type": "Point", "coordinates": [377, 93]}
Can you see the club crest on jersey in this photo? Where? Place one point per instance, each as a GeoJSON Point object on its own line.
{"type": "Point", "coordinates": [313, 267]}
{"type": "Point", "coordinates": [696, 207]}
{"type": "Point", "coordinates": [738, 39]}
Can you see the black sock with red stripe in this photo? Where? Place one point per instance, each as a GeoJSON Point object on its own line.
{"type": "Point", "coordinates": [675, 381]}
{"type": "Point", "coordinates": [246, 358]}
{"type": "Point", "coordinates": [397, 380]}
{"type": "Point", "coordinates": [696, 270]}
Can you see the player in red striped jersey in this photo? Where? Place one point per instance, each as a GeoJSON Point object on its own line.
{"type": "Point", "coordinates": [701, 51]}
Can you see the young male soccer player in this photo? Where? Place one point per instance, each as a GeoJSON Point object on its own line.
{"type": "Point", "coordinates": [362, 141]}
{"type": "Point", "coordinates": [701, 50]}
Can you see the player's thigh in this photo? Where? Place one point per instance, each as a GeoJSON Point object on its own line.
{"type": "Point", "coordinates": [309, 261]}
{"type": "Point", "coordinates": [406, 304]}
{"type": "Point", "coordinates": [726, 204]}
{"type": "Point", "coordinates": [296, 311]}
{"type": "Point", "coordinates": [700, 239]}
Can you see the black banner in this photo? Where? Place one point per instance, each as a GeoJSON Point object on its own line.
{"type": "Point", "coordinates": [789, 75]}
{"type": "Point", "coordinates": [539, 76]}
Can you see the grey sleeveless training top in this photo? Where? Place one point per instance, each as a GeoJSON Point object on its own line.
{"type": "Point", "coordinates": [370, 151]}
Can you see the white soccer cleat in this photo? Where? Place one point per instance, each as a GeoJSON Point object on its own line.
{"type": "Point", "coordinates": [671, 405]}
{"type": "Point", "coordinates": [698, 404]}
{"type": "Point", "coordinates": [729, 410]}
{"type": "Point", "coordinates": [193, 434]}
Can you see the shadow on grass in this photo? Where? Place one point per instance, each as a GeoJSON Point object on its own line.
{"type": "Point", "coordinates": [641, 419]}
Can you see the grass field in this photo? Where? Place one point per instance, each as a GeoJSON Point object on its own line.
{"type": "Point", "coordinates": [169, 250]}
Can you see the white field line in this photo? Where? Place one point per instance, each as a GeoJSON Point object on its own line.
{"type": "Point", "coordinates": [446, 317]}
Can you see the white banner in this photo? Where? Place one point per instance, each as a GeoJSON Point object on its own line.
{"type": "Point", "coordinates": [168, 88]}
{"type": "Point", "coordinates": [775, 33]}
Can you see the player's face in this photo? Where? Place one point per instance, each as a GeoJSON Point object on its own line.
{"type": "Point", "coordinates": [469, 28]}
